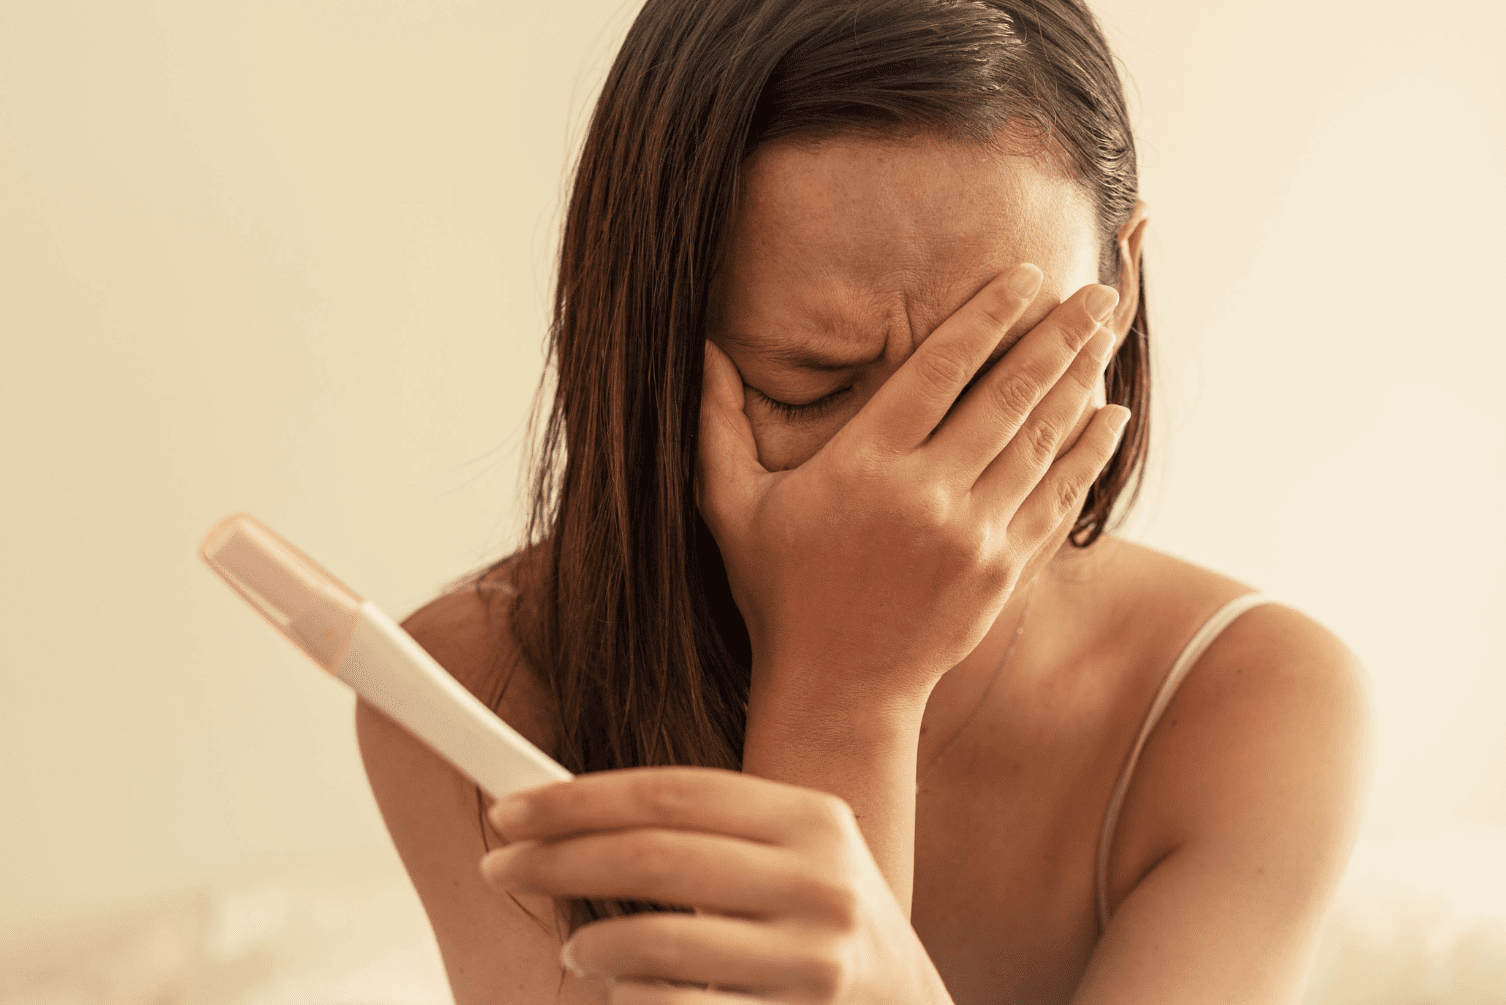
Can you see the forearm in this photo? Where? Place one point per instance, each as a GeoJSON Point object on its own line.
{"type": "Point", "coordinates": [849, 746]}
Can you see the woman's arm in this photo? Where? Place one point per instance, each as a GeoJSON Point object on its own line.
{"type": "Point", "coordinates": [1253, 789]}
{"type": "Point", "coordinates": [819, 738]}
{"type": "Point", "coordinates": [495, 947]}
{"type": "Point", "coordinates": [1249, 793]}
{"type": "Point", "coordinates": [870, 570]}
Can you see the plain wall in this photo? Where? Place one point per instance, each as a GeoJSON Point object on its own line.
{"type": "Point", "coordinates": [294, 258]}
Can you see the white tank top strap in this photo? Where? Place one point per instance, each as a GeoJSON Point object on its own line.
{"type": "Point", "coordinates": [1194, 650]}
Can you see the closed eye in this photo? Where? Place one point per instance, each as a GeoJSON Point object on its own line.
{"type": "Point", "coordinates": [808, 411]}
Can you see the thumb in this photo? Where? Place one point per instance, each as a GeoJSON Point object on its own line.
{"type": "Point", "coordinates": [727, 456]}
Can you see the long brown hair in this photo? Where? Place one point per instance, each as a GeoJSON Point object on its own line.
{"type": "Point", "coordinates": [627, 616]}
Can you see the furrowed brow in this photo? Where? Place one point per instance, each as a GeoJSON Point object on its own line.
{"type": "Point", "coordinates": [799, 356]}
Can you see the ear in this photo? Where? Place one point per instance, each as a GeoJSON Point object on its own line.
{"type": "Point", "coordinates": [1129, 236]}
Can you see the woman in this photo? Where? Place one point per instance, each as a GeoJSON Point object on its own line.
{"type": "Point", "coordinates": [817, 545]}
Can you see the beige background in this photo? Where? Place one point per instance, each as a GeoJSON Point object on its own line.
{"type": "Point", "coordinates": [293, 258]}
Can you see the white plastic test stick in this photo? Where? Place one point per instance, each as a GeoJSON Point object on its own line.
{"type": "Point", "coordinates": [352, 639]}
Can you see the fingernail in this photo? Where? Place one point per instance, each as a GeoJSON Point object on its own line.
{"type": "Point", "coordinates": [1121, 422]}
{"type": "Point", "coordinates": [1025, 280]}
{"type": "Point", "coordinates": [509, 812]}
{"type": "Point", "coordinates": [567, 959]}
{"type": "Point", "coordinates": [1101, 301]}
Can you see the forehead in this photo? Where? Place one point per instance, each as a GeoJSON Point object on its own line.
{"type": "Point", "coordinates": [842, 245]}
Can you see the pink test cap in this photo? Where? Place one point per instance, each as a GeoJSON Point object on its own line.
{"type": "Point", "coordinates": [308, 605]}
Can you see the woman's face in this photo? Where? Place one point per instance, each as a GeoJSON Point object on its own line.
{"type": "Point", "coordinates": [841, 258]}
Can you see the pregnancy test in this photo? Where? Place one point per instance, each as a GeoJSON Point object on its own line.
{"type": "Point", "coordinates": [352, 639]}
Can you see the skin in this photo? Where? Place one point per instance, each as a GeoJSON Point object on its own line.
{"type": "Point", "coordinates": [858, 249]}
{"type": "Point", "coordinates": [885, 251]}
{"type": "Point", "coordinates": [883, 553]}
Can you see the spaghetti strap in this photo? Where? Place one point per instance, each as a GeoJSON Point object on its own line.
{"type": "Point", "coordinates": [1195, 648]}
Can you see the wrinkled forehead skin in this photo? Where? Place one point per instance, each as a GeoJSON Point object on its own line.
{"type": "Point", "coordinates": [850, 245]}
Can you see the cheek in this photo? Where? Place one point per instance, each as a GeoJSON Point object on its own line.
{"type": "Point", "coordinates": [782, 447]}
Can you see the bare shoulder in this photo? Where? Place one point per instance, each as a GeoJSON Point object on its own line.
{"type": "Point", "coordinates": [468, 632]}
{"type": "Point", "coordinates": [1281, 707]}
{"type": "Point", "coordinates": [495, 948]}
{"type": "Point", "coordinates": [1263, 754]}
{"type": "Point", "coordinates": [1171, 598]}
{"type": "Point", "coordinates": [1270, 653]}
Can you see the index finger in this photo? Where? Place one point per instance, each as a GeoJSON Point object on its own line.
{"type": "Point", "coordinates": [903, 412]}
{"type": "Point", "coordinates": [686, 798]}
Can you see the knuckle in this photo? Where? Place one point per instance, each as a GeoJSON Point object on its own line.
{"type": "Point", "coordinates": [1041, 438]}
{"type": "Point", "coordinates": [941, 371]}
{"type": "Point", "coordinates": [925, 505]}
{"type": "Point", "coordinates": [832, 814]}
{"type": "Point", "coordinates": [1013, 393]}
{"type": "Point", "coordinates": [669, 949]}
{"type": "Point", "coordinates": [668, 799]}
{"type": "Point", "coordinates": [974, 545]}
{"type": "Point", "coordinates": [826, 973]}
{"type": "Point", "coordinates": [836, 903]}
{"type": "Point", "coordinates": [646, 856]}
{"type": "Point", "coordinates": [1069, 492]}
{"type": "Point", "coordinates": [1018, 554]}
{"type": "Point", "coordinates": [1074, 334]}
{"type": "Point", "coordinates": [845, 907]}
{"type": "Point", "coordinates": [998, 577]}
{"type": "Point", "coordinates": [1087, 371]}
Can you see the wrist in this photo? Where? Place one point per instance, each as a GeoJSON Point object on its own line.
{"type": "Point", "coordinates": [810, 704]}
{"type": "Point", "coordinates": [803, 716]}
{"type": "Point", "coordinates": [807, 730]}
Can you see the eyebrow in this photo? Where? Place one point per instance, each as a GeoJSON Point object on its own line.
{"type": "Point", "coordinates": [801, 356]}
